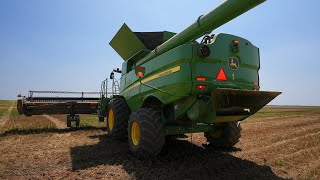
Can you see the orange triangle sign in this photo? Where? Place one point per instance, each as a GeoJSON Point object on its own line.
{"type": "Point", "coordinates": [221, 75]}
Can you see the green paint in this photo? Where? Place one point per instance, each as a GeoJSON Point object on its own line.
{"type": "Point", "coordinates": [103, 106]}
{"type": "Point", "coordinates": [178, 89]}
{"type": "Point", "coordinates": [126, 43]}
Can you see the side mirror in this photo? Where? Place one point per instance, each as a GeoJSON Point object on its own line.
{"type": "Point", "coordinates": [19, 96]}
{"type": "Point", "coordinates": [112, 75]}
{"type": "Point", "coordinates": [117, 70]}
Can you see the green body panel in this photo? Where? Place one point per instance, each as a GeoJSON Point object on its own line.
{"type": "Point", "coordinates": [183, 83]}
{"type": "Point", "coordinates": [171, 69]}
{"type": "Point", "coordinates": [178, 84]}
{"type": "Point", "coordinates": [221, 48]}
{"type": "Point", "coordinates": [103, 106]}
{"type": "Point", "coordinates": [179, 88]}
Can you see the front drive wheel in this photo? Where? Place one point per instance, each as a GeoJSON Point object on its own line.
{"type": "Point", "coordinates": [227, 135]}
{"type": "Point", "coordinates": [117, 121]}
{"type": "Point", "coordinates": [146, 133]}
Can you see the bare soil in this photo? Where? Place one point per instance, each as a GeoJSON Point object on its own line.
{"type": "Point", "coordinates": [275, 144]}
{"type": "Point", "coordinates": [58, 123]}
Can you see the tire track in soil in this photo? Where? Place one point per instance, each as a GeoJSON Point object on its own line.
{"type": "Point", "coordinates": [5, 118]}
{"type": "Point", "coordinates": [274, 136]}
{"type": "Point", "coordinates": [258, 137]}
{"type": "Point", "coordinates": [307, 163]}
{"type": "Point", "coordinates": [308, 170]}
{"type": "Point", "coordinates": [301, 152]}
{"type": "Point", "coordinates": [290, 121]}
{"type": "Point", "coordinates": [57, 122]}
{"type": "Point", "coordinates": [279, 143]}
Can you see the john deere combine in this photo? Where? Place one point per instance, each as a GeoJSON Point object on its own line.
{"type": "Point", "coordinates": [171, 84]}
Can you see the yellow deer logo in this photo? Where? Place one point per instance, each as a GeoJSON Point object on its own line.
{"type": "Point", "coordinates": [233, 63]}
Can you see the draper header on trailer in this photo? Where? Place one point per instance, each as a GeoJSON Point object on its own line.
{"type": "Point", "coordinates": [79, 103]}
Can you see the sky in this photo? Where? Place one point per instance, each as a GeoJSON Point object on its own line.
{"type": "Point", "coordinates": [64, 44]}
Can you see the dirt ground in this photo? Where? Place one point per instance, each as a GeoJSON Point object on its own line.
{"type": "Point", "coordinates": [277, 143]}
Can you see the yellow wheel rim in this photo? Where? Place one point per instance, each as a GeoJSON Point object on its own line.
{"type": "Point", "coordinates": [135, 133]}
{"type": "Point", "coordinates": [110, 120]}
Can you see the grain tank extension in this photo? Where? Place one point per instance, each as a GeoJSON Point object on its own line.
{"type": "Point", "coordinates": [171, 84]}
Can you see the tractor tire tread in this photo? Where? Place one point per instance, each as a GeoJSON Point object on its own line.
{"type": "Point", "coordinates": [121, 116]}
{"type": "Point", "coordinates": [230, 135]}
{"type": "Point", "coordinates": [152, 136]}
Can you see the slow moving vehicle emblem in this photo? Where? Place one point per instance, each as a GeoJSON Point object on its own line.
{"type": "Point", "coordinates": [233, 63]}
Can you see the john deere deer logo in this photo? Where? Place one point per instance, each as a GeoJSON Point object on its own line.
{"type": "Point", "coordinates": [233, 63]}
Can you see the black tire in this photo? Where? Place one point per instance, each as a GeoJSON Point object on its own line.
{"type": "Point", "coordinates": [101, 119]}
{"type": "Point", "coordinates": [77, 120]}
{"type": "Point", "coordinates": [68, 121]}
{"type": "Point", "coordinates": [227, 135]}
{"type": "Point", "coordinates": [151, 133]}
{"type": "Point", "coordinates": [121, 112]}
{"type": "Point", "coordinates": [20, 106]}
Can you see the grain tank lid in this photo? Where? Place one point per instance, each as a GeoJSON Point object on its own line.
{"type": "Point", "coordinates": [135, 45]}
{"type": "Point", "coordinates": [153, 39]}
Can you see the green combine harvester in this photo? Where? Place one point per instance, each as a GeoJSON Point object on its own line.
{"type": "Point", "coordinates": [172, 85]}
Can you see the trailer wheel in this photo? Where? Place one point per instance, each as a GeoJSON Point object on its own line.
{"type": "Point", "coordinates": [68, 121]}
{"type": "Point", "coordinates": [101, 119]}
{"type": "Point", "coordinates": [146, 133]}
{"type": "Point", "coordinates": [20, 106]}
{"type": "Point", "coordinates": [28, 114]}
{"type": "Point", "coordinates": [77, 120]}
{"type": "Point", "coordinates": [227, 136]}
{"type": "Point", "coordinates": [117, 119]}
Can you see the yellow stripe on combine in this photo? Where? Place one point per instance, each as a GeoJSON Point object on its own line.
{"type": "Point", "coordinates": [155, 76]}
